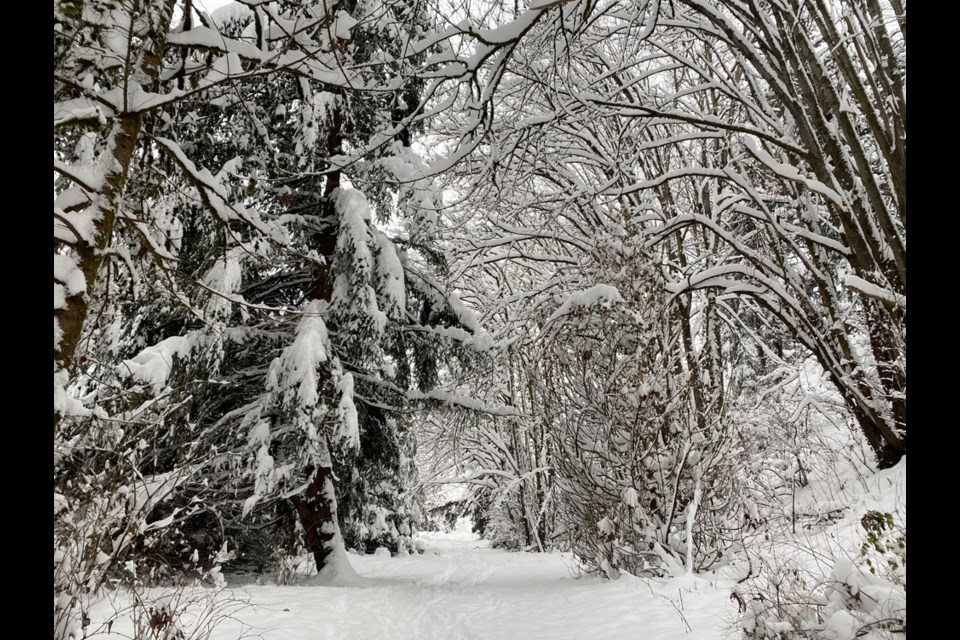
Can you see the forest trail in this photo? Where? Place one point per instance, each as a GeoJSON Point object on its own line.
{"type": "Point", "coordinates": [460, 589]}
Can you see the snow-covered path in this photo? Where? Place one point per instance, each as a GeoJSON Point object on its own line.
{"type": "Point", "coordinates": [460, 590]}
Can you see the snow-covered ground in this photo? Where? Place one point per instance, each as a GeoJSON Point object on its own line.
{"type": "Point", "coordinates": [459, 589]}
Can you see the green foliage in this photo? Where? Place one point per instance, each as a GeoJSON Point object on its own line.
{"type": "Point", "coordinates": [70, 8]}
{"type": "Point", "coordinates": [885, 545]}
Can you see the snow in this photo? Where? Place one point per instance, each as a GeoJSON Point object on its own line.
{"type": "Point", "coordinates": [66, 272]}
{"type": "Point", "coordinates": [793, 174]}
{"type": "Point", "coordinates": [324, 103]}
{"type": "Point", "coordinates": [296, 368]}
{"type": "Point", "coordinates": [223, 68]}
{"type": "Point", "coordinates": [265, 476]}
{"type": "Point", "coordinates": [873, 291]}
{"type": "Point", "coordinates": [404, 164]}
{"type": "Point", "coordinates": [224, 279]}
{"type": "Point", "coordinates": [827, 552]}
{"type": "Point", "coordinates": [467, 402]}
{"type": "Point", "coordinates": [343, 24]}
{"type": "Point", "coordinates": [601, 294]}
{"type": "Point", "coordinates": [465, 315]}
{"type": "Point", "coordinates": [67, 224]}
{"type": "Point", "coordinates": [347, 413]}
{"type": "Point", "coordinates": [207, 38]}
{"type": "Point", "coordinates": [338, 572]}
{"type": "Point", "coordinates": [481, 342]}
{"type": "Point", "coordinates": [231, 12]}
{"type": "Point", "coordinates": [459, 588]}
{"type": "Point", "coordinates": [352, 295]}
{"type": "Point", "coordinates": [77, 109]}
{"type": "Point", "coordinates": [390, 277]}
{"type": "Point", "coordinates": [64, 403]}
{"type": "Point", "coordinates": [152, 366]}
{"type": "Point", "coordinates": [59, 297]}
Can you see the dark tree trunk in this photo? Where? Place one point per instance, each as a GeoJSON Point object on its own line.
{"type": "Point", "coordinates": [317, 507]}
{"type": "Point", "coordinates": [103, 206]}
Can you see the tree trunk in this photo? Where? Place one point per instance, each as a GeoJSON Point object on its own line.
{"type": "Point", "coordinates": [122, 140]}
{"type": "Point", "coordinates": [888, 445]}
{"type": "Point", "coordinates": [317, 507]}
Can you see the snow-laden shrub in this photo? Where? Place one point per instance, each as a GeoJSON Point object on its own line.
{"type": "Point", "coordinates": [825, 542]}
{"type": "Point", "coordinates": [120, 521]}
{"type": "Point", "coordinates": [292, 566]}
{"type": "Point", "coordinates": [789, 600]}
{"type": "Point", "coordinates": [644, 467]}
{"type": "Point", "coordinates": [642, 493]}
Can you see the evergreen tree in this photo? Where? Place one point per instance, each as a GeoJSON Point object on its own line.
{"type": "Point", "coordinates": [298, 347]}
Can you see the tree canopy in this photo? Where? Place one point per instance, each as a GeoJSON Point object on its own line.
{"type": "Point", "coordinates": [311, 256]}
